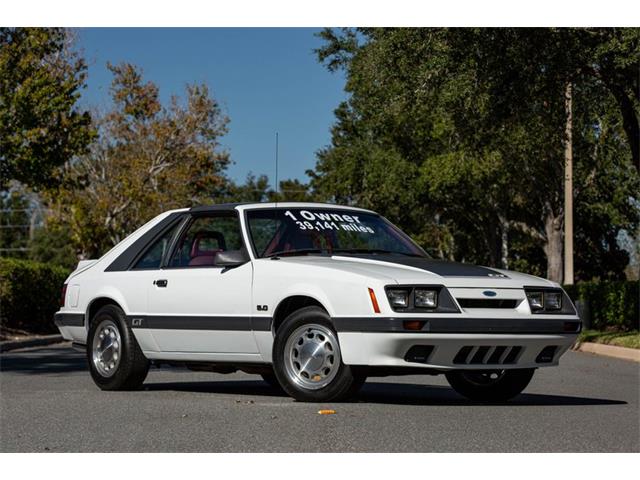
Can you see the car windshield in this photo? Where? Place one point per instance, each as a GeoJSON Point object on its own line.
{"type": "Point", "coordinates": [304, 231]}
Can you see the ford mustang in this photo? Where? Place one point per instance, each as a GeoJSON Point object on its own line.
{"type": "Point", "coordinates": [313, 297]}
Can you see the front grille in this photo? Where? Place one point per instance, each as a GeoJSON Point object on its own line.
{"type": "Point", "coordinates": [487, 303]}
{"type": "Point", "coordinates": [487, 355]}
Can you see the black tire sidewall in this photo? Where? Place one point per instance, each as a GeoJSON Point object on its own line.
{"type": "Point", "coordinates": [342, 384]}
{"type": "Point", "coordinates": [133, 366]}
{"type": "Point", "coordinates": [512, 383]}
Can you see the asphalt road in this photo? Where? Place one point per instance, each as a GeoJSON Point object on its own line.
{"type": "Point", "coordinates": [48, 402]}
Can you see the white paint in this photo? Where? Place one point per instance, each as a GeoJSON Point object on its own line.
{"type": "Point", "coordinates": [339, 283]}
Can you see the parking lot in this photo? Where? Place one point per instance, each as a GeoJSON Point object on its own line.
{"type": "Point", "coordinates": [48, 402]}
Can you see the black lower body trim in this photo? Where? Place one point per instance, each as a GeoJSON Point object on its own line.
{"type": "Point", "coordinates": [458, 325]}
{"type": "Point", "coordinates": [189, 322]}
{"type": "Point", "coordinates": [69, 319]}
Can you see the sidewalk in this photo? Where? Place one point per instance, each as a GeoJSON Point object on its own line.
{"type": "Point", "coordinates": [27, 342]}
{"type": "Point", "coordinates": [614, 351]}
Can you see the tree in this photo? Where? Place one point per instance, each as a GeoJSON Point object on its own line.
{"type": "Point", "coordinates": [458, 136]}
{"type": "Point", "coordinates": [257, 189]}
{"type": "Point", "coordinates": [41, 126]}
{"type": "Point", "coordinates": [148, 158]}
{"type": "Point", "coordinates": [14, 223]}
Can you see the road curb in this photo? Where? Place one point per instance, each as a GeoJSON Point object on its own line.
{"type": "Point", "coordinates": [624, 353]}
{"type": "Point", "coordinates": [29, 342]}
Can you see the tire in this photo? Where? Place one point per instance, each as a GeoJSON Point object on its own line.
{"type": "Point", "coordinates": [272, 380]}
{"type": "Point", "coordinates": [120, 364]}
{"type": "Point", "coordinates": [479, 386]}
{"type": "Point", "coordinates": [327, 377]}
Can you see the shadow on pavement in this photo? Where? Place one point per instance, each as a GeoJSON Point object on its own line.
{"type": "Point", "coordinates": [235, 387]}
{"type": "Point", "coordinates": [43, 361]}
{"type": "Point", "coordinates": [415, 394]}
{"type": "Point", "coordinates": [380, 393]}
{"type": "Point", "coordinates": [63, 360]}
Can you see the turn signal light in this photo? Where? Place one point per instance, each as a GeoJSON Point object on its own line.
{"type": "Point", "coordinates": [374, 301]}
{"type": "Point", "coordinates": [413, 324]}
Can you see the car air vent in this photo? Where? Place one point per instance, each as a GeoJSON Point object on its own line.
{"type": "Point", "coordinates": [419, 353]}
{"type": "Point", "coordinates": [487, 355]}
{"type": "Point", "coordinates": [487, 303]}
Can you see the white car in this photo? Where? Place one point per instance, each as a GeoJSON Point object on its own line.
{"type": "Point", "coordinates": [313, 297]}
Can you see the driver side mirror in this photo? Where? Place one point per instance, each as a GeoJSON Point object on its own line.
{"type": "Point", "coordinates": [231, 258]}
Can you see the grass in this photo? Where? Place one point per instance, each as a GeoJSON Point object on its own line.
{"type": "Point", "coordinates": [620, 339]}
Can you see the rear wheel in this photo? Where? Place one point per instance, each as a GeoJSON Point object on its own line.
{"type": "Point", "coordinates": [490, 385]}
{"type": "Point", "coordinates": [116, 361]}
{"type": "Point", "coordinates": [308, 361]}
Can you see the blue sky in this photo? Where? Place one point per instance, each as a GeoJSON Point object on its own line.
{"type": "Point", "coordinates": [267, 79]}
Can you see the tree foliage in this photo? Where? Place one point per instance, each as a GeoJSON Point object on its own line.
{"type": "Point", "coordinates": [41, 126]}
{"type": "Point", "coordinates": [458, 136]}
{"type": "Point", "coordinates": [148, 158]}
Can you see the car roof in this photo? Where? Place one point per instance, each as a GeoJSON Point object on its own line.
{"type": "Point", "coordinates": [255, 205]}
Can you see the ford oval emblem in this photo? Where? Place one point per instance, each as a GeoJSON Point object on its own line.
{"type": "Point", "coordinates": [489, 293]}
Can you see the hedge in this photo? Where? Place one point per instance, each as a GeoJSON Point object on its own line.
{"type": "Point", "coordinates": [610, 305]}
{"type": "Point", "coordinates": [30, 294]}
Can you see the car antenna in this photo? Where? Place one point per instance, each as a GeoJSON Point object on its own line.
{"type": "Point", "coordinates": [277, 185]}
{"type": "Point", "coordinates": [275, 209]}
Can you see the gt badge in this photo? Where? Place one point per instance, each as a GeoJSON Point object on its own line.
{"type": "Point", "coordinates": [263, 308]}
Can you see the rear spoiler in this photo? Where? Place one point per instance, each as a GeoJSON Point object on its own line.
{"type": "Point", "coordinates": [84, 264]}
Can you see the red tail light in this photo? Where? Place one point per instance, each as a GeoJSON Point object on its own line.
{"type": "Point", "coordinates": [64, 295]}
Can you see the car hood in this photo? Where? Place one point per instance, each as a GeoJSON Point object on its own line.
{"type": "Point", "coordinates": [404, 269]}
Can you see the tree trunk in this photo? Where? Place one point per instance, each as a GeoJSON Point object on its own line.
{"type": "Point", "coordinates": [504, 242]}
{"type": "Point", "coordinates": [553, 246]}
{"type": "Point", "coordinates": [568, 187]}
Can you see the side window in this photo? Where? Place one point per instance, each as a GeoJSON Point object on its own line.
{"type": "Point", "coordinates": [266, 233]}
{"type": "Point", "coordinates": [205, 237]}
{"type": "Point", "coordinates": [155, 253]}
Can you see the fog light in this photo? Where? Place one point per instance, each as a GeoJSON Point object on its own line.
{"type": "Point", "coordinates": [553, 301]}
{"type": "Point", "coordinates": [426, 298]}
{"type": "Point", "coordinates": [536, 301]}
{"type": "Point", "coordinates": [398, 298]}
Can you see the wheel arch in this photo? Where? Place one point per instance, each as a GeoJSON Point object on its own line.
{"type": "Point", "coordinates": [96, 304]}
{"type": "Point", "coordinates": [290, 304]}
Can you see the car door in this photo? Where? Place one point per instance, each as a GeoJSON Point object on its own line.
{"type": "Point", "coordinates": [196, 306]}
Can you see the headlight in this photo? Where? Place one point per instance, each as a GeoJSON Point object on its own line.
{"type": "Point", "coordinates": [398, 298]}
{"type": "Point", "coordinates": [542, 301]}
{"type": "Point", "coordinates": [553, 301]}
{"type": "Point", "coordinates": [426, 298]}
{"type": "Point", "coordinates": [536, 300]}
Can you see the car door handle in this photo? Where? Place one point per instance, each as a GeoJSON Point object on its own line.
{"type": "Point", "coordinates": [160, 283]}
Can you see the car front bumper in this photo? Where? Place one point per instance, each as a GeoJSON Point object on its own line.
{"type": "Point", "coordinates": [454, 344]}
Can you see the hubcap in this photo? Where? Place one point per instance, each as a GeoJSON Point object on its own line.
{"type": "Point", "coordinates": [106, 348]}
{"type": "Point", "coordinates": [312, 356]}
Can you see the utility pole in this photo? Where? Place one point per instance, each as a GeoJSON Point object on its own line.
{"type": "Point", "coordinates": [568, 186]}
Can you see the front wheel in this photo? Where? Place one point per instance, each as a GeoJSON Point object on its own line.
{"type": "Point", "coordinates": [307, 359]}
{"type": "Point", "coordinates": [490, 385]}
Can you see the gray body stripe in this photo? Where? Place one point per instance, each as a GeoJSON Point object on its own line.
{"type": "Point", "coordinates": [443, 268]}
{"type": "Point", "coordinates": [185, 322]}
{"type": "Point", "coordinates": [69, 319]}
{"type": "Point", "coordinates": [454, 325]}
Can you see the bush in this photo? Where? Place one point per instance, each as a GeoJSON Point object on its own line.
{"type": "Point", "coordinates": [29, 294]}
{"type": "Point", "coordinates": [612, 305]}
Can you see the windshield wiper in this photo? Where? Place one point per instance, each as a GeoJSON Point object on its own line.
{"type": "Point", "coordinates": [373, 250]}
{"type": "Point", "coordinates": [291, 253]}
